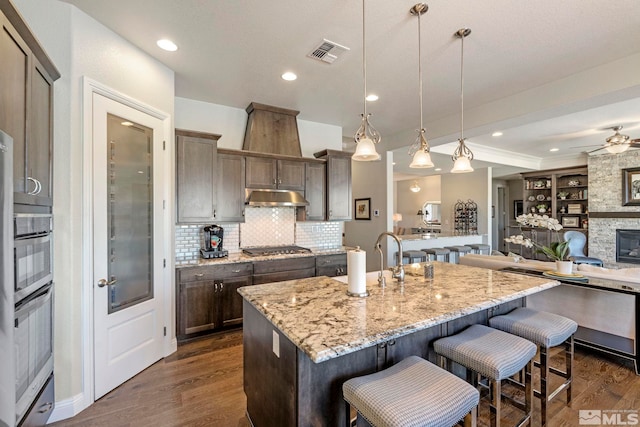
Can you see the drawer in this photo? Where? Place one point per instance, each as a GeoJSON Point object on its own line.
{"type": "Point", "coordinates": [259, 279]}
{"type": "Point", "coordinates": [332, 270]}
{"type": "Point", "coordinates": [336, 260]}
{"type": "Point", "coordinates": [276, 265]}
{"type": "Point", "coordinates": [41, 409]}
{"type": "Point", "coordinates": [214, 272]}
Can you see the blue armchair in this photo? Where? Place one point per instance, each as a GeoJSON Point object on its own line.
{"type": "Point", "coordinates": [577, 241]}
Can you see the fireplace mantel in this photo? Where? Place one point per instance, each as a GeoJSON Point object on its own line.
{"type": "Point", "coordinates": [625, 214]}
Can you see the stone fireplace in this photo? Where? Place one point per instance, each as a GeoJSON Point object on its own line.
{"type": "Point", "coordinates": [606, 211]}
{"type": "Point", "coordinates": [628, 246]}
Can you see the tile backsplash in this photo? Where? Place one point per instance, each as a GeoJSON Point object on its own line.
{"type": "Point", "coordinates": [262, 227]}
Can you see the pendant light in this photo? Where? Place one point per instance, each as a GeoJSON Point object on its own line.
{"type": "Point", "coordinates": [366, 137]}
{"type": "Point", "coordinates": [420, 148]}
{"type": "Point", "coordinates": [462, 156]}
{"type": "Point", "coordinates": [415, 187]}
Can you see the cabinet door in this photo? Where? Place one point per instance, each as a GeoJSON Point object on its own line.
{"type": "Point", "coordinates": [230, 182]}
{"type": "Point", "coordinates": [231, 301]}
{"type": "Point", "coordinates": [339, 188]}
{"type": "Point", "coordinates": [14, 83]}
{"type": "Point", "coordinates": [261, 172]}
{"type": "Point", "coordinates": [331, 265]}
{"type": "Point", "coordinates": [195, 187]}
{"type": "Point", "coordinates": [40, 134]}
{"type": "Point", "coordinates": [197, 311]}
{"type": "Point", "coordinates": [315, 191]}
{"type": "Point", "coordinates": [291, 175]}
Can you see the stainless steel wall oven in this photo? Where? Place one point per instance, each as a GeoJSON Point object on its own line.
{"type": "Point", "coordinates": [32, 253]}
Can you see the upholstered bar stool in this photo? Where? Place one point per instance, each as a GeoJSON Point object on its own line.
{"type": "Point", "coordinates": [437, 254]}
{"type": "Point", "coordinates": [409, 257]}
{"type": "Point", "coordinates": [457, 252]}
{"type": "Point", "coordinates": [413, 392]}
{"type": "Point", "coordinates": [546, 330]}
{"type": "Point", "coordinates": [495, 355]}
{"type": "Point", "coordinates": [479, 248]}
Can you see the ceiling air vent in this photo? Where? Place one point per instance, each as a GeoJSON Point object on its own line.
{"type": "Point", "coordinates": [327, 52]}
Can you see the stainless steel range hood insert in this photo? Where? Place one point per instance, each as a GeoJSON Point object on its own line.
{"type": "Point", "coordinates": [268, 197]}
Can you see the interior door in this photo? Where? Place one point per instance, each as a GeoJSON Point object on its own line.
{"type": "Point", "coordinates": [127, 238]}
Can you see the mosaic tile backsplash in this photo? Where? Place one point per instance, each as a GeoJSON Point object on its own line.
{"type": "Point", "coordinates": [262, 227]}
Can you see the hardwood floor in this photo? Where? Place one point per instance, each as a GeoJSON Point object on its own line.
{"type": "Point", "coordinates": [201, 385]}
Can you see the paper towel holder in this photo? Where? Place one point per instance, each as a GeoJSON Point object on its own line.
{"type": "Point", "coordinates": [358, 294]}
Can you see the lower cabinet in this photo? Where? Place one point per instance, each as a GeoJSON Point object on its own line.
{"type": "Point", "coordinates": [208, 299]}
{"type": "Point", "coordinates": [331, 265]}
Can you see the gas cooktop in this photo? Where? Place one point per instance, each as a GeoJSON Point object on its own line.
{"type": "Point", "coordinates": [275, 250]}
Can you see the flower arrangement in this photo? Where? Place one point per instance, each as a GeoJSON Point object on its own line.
{"type": "Point", "coordinates": [556, 251]}
{"type": "Point", "coordinates": [563, 194]}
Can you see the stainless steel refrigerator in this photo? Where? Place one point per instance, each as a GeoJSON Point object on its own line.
{"type": "Point", "coordinates": [7, 370]}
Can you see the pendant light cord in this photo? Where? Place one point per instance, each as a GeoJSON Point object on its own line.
{"type": "Point", "coordinates": [364, 62]}
{"type": "Point", "coordinates": [462, 89]}
{"type": "Point", "coordinates": [420, 70]}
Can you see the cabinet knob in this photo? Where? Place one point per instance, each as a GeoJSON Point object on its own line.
{"type": "Point", "coordinates": [214, 213]}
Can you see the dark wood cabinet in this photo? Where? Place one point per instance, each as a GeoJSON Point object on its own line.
{"type": "Point", "coordinates": [283, 269]}
{"type": "Point", "coordinates": [26, 96]}
{"type": "Point", "coordinates": [331, 265]}
{"type": "Point", "coordinates": [196, 161]}
{"type": "Point", "coordinates": [230, 185]}
{"type": "Point", "coordinates": [314, 192]}
{"type": "Point", "coordinates": [339, 204]}
{"type": "Point", "coordinates": [272, 173]}
{"type": "Point", "coordinates": [208, 299]}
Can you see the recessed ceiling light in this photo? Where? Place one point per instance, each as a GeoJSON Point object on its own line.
{"type": "Point", "coordinates": [498, 133]}
{"type": "Point", "coordinates": [126, 124]}
{"type": "Point", "coordinates": [555, 149]}
{"type": "Point", "coordinates": [394, 163]}
{"type": "Point", "coordinates": [289, 76]}
{"type": "Point", "coordinates": [167, 45]}
{"type": "Point", "coordinates": [372, 97]}
{"type": "Point", "coordinates": [437, 169]}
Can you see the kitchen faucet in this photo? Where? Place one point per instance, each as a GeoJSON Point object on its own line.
{"type": "Point", "coordinates": [397, 272]}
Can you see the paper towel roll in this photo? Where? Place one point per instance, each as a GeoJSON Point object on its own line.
{"type": "Point", "coordinates": [357, 271]}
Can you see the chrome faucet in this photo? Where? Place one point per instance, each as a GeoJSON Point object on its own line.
{"type": "Point", "coordinates": [397, 272]}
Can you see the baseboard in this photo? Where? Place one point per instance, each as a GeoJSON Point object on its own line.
{"type": "Point", "coordinates": [69, 408]}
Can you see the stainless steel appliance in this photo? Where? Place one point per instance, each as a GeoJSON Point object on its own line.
{"type": "Point", "coordinates": [275, 250]}
{"type": "Point", "coordinates": [33, 341]}
{"type": "Point", "coordinates": [32, 251]}
{"type": "Point", "coordinates": [213, 240]}
{"type": "Point", "coordinates": [7, 370]}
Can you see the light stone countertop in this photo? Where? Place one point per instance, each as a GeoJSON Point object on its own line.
{"type": "Point", "coordinates": [319, 318]}
{"type": "Point", "coordinates": [426, 236]}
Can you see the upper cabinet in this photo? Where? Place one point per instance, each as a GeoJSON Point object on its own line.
{"type": "Point", "coordinates": [196, 158]}
{"type": "Point", "coordinates": [338, 184]}
{"type": "Point", "coordinates": [315, 192]}
{"type": "Point", "coordinates": [230, 183]}
{"type": "Point", "coordinates": [26, 94]}
{"type": "Point", "coordinates": [271, 173]}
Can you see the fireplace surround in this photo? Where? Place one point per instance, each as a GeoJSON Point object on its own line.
{"type": "Point", "coordinates": [628, 246]}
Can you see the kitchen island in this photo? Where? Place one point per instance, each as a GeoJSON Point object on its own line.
{"type": "Point", "coordinates": [304, 338]}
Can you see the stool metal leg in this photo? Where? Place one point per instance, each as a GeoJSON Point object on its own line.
{"type": "Point", "coordinates": [544, 375]}
{"type": "Point", "coordinates": [568, 358]}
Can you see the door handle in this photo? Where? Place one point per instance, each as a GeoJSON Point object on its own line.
{"type": "Point", "coordinates": [103, 282]}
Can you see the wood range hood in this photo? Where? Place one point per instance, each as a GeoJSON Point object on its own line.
{"type": "Point", "coordinates": [272, 130]}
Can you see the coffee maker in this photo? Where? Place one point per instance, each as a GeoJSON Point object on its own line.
{"type": "Point", "coordinates": [213, 235]}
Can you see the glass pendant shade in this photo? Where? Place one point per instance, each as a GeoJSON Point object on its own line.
{"type": "Point", "coordinates": [617, 148]}
{"type": "Point", "coordinates": [462, 165]}
{"type": "Point", "coordinates": [415, 187]}
{"type": "Point", "coordinates": [365, 151]}
{"type": "Point", "coordinates": [421, 159]}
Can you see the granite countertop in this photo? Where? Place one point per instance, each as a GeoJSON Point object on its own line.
{"type": "Point", "coordinates": [239, 257]}
{"type": "Point", "coordinates": [423, 236]}
{"type": "Point", "coordinates": [319, 318]}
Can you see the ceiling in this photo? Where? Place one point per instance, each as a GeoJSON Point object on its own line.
{"type": "Point", "coordinates": [233, 52]}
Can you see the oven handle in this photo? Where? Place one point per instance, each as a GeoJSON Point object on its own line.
{"type": "Point", "coordinates": [28, 241]}
{"type": "Point", "coordinates": [36, 300]}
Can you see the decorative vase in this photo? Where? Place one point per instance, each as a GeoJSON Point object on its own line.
{"type": "Point", "coordinates": [564, 267]}
{"type": "Point", "coordinates": [542, 210]}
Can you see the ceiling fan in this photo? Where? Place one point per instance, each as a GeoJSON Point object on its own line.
{"type": "Point", "coordinates": [617, 143]}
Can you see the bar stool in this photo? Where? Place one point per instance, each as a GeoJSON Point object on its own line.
{"type": "Point", "coordinates": [495, 355]}
{"type": "Point", "coordinates": [413, 392]}
{"type": "Point", "coordinates": [457, 252]}
{"type": "Point", "coordinates": [438, 254]}
{"type": "Point", "coordinates": [480, 248]}
{"type": "Point", "coordinates": [409, 257]}
{"type": "Point", "coordinates": [546, 330]}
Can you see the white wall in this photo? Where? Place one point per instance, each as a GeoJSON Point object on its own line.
{"type": "Point", "coordinates": [80, 46]}
{"type": "Point", "coordinates": [408, 203]}
{"type": "Point", "coordinates": [464, 186]}
{"type": "Point", "coordinates": [231, 124]}
{"type": "Point", "coordinates": [374, 180]}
